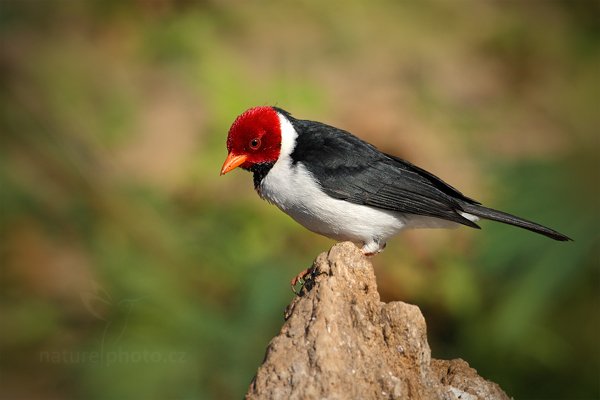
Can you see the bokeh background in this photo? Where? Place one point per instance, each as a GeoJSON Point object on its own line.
{"type": "Point", "coordinates": [130, 269]}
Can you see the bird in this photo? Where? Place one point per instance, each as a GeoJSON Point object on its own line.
{"type": "Point", "coordinates": [338, 185]}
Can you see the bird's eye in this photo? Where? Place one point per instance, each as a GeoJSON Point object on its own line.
{"type": "Point", "coordinates": [255, 143]}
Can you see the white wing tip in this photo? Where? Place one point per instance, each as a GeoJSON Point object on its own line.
{"type": "Point", "coordinates": [470, 217]}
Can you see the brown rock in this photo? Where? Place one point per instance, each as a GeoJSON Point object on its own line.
{"type": "Point", "coordinates": [341, 342]}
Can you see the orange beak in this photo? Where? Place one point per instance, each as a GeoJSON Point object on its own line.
{"type": "Point", "coordinates": [232, 161]}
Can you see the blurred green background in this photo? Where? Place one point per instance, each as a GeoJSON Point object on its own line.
{"type": "Point", "coordinates": [130, 269]}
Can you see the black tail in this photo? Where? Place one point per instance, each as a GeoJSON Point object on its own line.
{"type": "Point", "coordinates": [495, 215]}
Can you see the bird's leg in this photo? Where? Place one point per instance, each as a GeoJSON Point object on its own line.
{"type": "Point", "coordinates": [372, 248]}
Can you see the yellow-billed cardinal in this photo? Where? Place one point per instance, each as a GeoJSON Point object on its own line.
{"type": "Point", "coordinates": [341, 187]}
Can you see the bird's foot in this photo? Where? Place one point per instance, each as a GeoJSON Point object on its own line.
{"type": "Point", "coordinates": [372, 248]}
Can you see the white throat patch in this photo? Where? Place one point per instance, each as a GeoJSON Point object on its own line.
{"type": "Point", "coordinates": [288, 137]}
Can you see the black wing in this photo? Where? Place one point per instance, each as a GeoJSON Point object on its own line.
{"type": "Point", "coordinates": [350, 169]}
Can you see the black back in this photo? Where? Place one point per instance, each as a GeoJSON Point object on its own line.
{"type": "Point", "coordinates": [350, 169]}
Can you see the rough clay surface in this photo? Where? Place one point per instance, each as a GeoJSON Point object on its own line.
{"type": "Point", "coordinates": [340, 341]}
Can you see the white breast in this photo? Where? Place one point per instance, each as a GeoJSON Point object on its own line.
{"type": "Point", "coordinates": [293, 189]}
